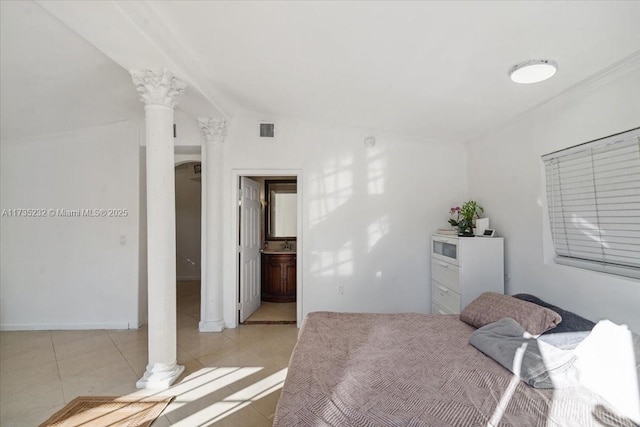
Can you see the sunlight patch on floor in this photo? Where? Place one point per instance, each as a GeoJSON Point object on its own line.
{"type": "Point", "coordinates": [235, 401]}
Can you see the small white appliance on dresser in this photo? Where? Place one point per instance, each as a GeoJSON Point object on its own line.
{"type": "Point", "coordinates": [462, 268]}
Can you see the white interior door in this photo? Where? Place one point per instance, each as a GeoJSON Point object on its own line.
{"type": "Point", "coordinates": [249, 247]}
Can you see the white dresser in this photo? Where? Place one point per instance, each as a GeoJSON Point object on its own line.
{"type": "Point", "coordinates": [462, 268]}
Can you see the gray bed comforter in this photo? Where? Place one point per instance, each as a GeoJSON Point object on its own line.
{"type": "Point", "coordinates": [415, 370]}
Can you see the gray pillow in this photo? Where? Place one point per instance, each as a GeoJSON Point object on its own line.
{"type": "Point", "coordinates": [491, 307]}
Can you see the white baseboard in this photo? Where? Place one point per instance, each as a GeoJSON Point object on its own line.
{"type": "Point", "coordinates": [63, 326]}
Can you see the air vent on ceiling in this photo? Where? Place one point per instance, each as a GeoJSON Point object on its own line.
{"type": "Point", "coordinates": [266, 129]}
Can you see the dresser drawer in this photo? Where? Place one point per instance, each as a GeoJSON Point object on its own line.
{"type": "Point", "coordinates": [445, 297]}
{"type": "Point", "coordinates": [445, 249]}
{"type": "Point", "coordinates": [436, 309]}
{"type": "Point", "coordinates": [446, 273]}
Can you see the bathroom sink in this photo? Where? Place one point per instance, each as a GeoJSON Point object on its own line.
{"type": "Point", "coordinates": [278, 251]}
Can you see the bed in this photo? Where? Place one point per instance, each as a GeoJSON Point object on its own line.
{"type": "Point", "coordinates": [356, 369]}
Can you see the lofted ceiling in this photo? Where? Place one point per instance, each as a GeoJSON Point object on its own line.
{"type": "Point", "coordinates": [52, 80]}
{"type": "Point", "coordinates": [433, 70]}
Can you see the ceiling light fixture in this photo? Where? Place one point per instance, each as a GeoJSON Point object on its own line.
{"type": "Point", "coordinates": [533, 71]}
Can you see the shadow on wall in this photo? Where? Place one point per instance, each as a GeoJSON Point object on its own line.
{"type": "Point", "coordinates": [350, 219]}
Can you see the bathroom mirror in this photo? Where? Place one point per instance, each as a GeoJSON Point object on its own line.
{"type": "Point", "coordinates": [281, 212]}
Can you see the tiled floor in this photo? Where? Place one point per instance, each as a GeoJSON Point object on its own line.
{"type": "Point", "coordinates": [274, 312]}
{"type": "Point", "coordinates": [231, 378]}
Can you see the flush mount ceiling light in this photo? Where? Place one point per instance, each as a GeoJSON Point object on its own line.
{"type": "Point", "coordinates": [533, 71]}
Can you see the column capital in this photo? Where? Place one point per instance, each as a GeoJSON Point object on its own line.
{"type": "Point", "coordinates": [213, 129]}
{"type": "Point", "coordinates": [158, 87]}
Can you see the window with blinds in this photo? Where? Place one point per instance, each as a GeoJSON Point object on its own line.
{"type": "Point", "coordinates": [593, 195]}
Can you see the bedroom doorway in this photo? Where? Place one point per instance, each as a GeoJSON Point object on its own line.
{"type": "Point", "coordinates": [268, 238]}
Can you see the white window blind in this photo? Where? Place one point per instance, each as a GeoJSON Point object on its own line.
{"type": "Point", "coordinates": [593, 194]}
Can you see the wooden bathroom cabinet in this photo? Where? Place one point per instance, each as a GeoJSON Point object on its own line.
{"type": "Point", "coordinates": [278, 277]}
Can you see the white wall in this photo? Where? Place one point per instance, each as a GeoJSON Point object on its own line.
{"type": "Point", "coordinates": [188, 208]}
{"type": "Point", "coordinates": [367, 212]}
{"type": "Point", "coordinates": [71, 272]}
{"type": "Point", "coordinates": [506, 175]}
{"type": "Point", "coordinates": [187, 130]}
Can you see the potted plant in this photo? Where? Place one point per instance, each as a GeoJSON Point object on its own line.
{"type": "Point", "coordinates": [465, 215]}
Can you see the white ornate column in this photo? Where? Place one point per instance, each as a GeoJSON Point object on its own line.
{"type": "Point", "coordinates": [213, 132]}
{"type": "Point", "coordinates": [159, 90]}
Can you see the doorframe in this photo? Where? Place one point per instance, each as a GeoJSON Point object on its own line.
{"type": "Point", "coordinates": [232, 244]}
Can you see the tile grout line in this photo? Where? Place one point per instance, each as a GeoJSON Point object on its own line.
{"type": "Point", "coordinates": [190, 355]}
{"type": "Point", "coordinates": [55, 356]}
{"type": "Point", "coordinates": [121, 353]}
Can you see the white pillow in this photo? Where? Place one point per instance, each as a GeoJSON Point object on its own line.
{"type": "Point", "coordinates": [606, 365]}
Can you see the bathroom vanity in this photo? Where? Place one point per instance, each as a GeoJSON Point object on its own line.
{"type": "Point", "coordinates": [278, 276]}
